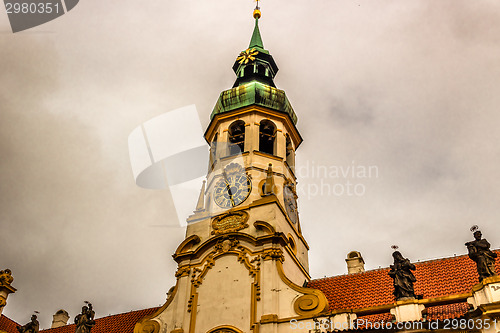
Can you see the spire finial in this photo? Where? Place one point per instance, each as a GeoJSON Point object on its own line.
{"type": "Point", "coordinates": [256, 12]}
{"type": "Point", "coordinates": [256, 41]}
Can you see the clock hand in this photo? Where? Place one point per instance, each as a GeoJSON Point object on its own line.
{"type": "Point", "coordinates": [230, 194]}
{"type": "Point", "coordinates": [228, 189]}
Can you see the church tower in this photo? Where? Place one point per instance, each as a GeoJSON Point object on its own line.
{"type": "Point", "coordinates": [244, 262]}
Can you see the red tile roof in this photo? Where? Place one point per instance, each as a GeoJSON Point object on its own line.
{"type": "Point", "coordinates": [8, 325]}
{"type": "Point", "coordinates": [448, 311]}
{"type": "Point", "coordinates": [435, 278]}
{"type": "Point", "coordinates": [362, 321]}
{"type": "Point", "coordinates": [120, 323]}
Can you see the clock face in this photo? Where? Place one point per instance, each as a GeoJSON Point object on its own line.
{"type": "Point", "coordinates": [290, 200]}
{"type": "Point", "coordinates": [232, 190]}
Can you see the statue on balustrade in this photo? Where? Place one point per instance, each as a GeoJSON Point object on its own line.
{"type": "Point", "coordinates": [401, 273]}
{"type": "Point", "coordinates": [32, 327]}
{"type": "Point", "coordinates": [480, 253]}
{"type": "Point", "coordinates": [85, 320]}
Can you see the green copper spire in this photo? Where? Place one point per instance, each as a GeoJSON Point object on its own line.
{"type": "Point", "coordinates": [256, 41]}
{"type": "Point", "coordinates": [255, 70]}
{"type": "Point", "coordinates": [255, 63]}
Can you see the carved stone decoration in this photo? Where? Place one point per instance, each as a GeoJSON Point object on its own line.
{"type": "Point", "coordinates": [306, 303]}
{"type": "Point", "coordinates": [85, 321]}
{"type": "Point", "coordinates": [268, 188]}
{"type": "Point", "coordinates": [229, 222]}
{"type": "Point", "coordinates": [226, 243]}
{"type": "Point", "coordinates": [312, 302]}
{"type": "Point", "coordinates": [480, 253]}
{"type": "Point", "coordinates": [5, 287]}
{"type": "Point", "coordinates": [265, 226]}
{"type": "Point", "coordinates": [32, 327]}
{"type": "Point", "coordinates": [147, 326]}
{"type": "Point", "coordinates": [290, 200]}
{"type": "Point", "coordinates": [150, 326]}
{"type": "Point", "coordinates": [187, 245]}
{"type": "Point", "coordinates": [403, 277]}
{"type": "Point", "coordinates": [273, 254]}
{"type": "Point", "coordinates": [6, 277]}
{"type": "Point", "coordinates": [182, 271]}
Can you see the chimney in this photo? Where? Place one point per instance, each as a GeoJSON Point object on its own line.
{"type": "Point", "coordinates": [60, 319]}
{"type": "Point", "coordinates": [355, 262]}
{"type": "Point", "coordinates": [5, 287]}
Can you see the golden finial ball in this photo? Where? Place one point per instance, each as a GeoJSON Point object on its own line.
{"type": "Point", "coordinates": [256, 14]}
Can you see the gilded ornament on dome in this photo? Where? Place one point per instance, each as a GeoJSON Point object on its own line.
{"type": "Point", "coordinates": [247, 55]}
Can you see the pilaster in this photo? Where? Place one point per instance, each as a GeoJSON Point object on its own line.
{"type": "Point", "coordinates": [5, 288]}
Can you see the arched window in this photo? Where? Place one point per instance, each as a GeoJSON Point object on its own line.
{"type": "Point", "coordinates": [261, 70]}
{"type": "Point", "coordinates": [353, 254]}
{"type": "Point", "coordinates": [290, 153]}
{"type": "Point", "coordinates": [213, 148]}
{"type": "Point", "coordinates": [248, 70]}
{"type": "Point", "coordinates": [267, 136]}
{"type": "Point", "coordinates": [236, 137]}
{"type": "Point", "coordinates": [225, 329]}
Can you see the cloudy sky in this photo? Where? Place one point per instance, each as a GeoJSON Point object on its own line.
{"type": "Point", "coordinates": [411, 88]}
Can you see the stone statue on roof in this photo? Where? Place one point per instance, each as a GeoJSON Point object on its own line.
{"type": "Point", "coordinates": [480, 253]}
{"type": "Point", "coordinates": [85, 320]}
{"type": "Point", "coordinates": [401, 273]}
{"type": "Point", "coordinates": [32, 327]}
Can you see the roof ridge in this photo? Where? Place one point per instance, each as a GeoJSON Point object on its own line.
{"type": "Point", "coordinates": [418, 262]}
{"type": "Point", "coordinates": [421, 261]}
{"type": "Point", "coordinates": [109, 317]}
{"type": "Point", "coordinates": [7, 318]}
{"type": "Point", "coordinates": [119, 314]}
